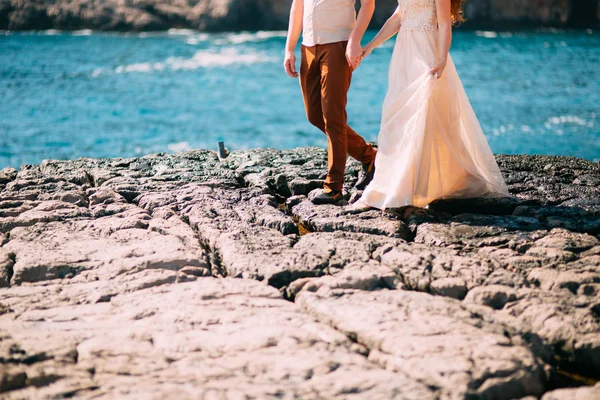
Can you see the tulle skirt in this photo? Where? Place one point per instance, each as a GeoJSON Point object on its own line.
{"type": "Point", "coordinates": [431, 145]}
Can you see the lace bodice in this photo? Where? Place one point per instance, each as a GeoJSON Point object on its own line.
{"type": "Point", "coordinates": [418, 15]}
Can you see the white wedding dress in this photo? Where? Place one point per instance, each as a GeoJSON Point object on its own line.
{"type": "Point", "coordinates": [431, 145]}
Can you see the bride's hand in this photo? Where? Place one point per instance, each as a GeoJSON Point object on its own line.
{"type": "Point", "coordinates": [438, 69]}
{"type": "Point", "coordinates": [366, 51]}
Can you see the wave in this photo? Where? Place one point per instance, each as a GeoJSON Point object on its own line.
{"type": "Point", "coordinates": [487, 34]}
{"type": "Point", "coordinates": [181, 32]}
{"type": "Point", "coordinates": [502, 129]}
{"type": "Point", "coordinates": [98, 71]}
{"type": "Point", "coordinates": [202, 37]}
{"type": "Point", "coordinates": [570, 120]}
{"type": "Point", "coordinates": [201, 59]}
{"type": "Point", "coordinates": [225, 57]}
{"type": "Point", "coordinates": [50, 32]}
{"type": "Point", "coordinates": [83, 32]}
{"type": "Point", "coordinates": [140, 67]}
{"type": "Point", "coordinates": [247, 37]}
{"type": "Point", "coordinates": [189, 35]}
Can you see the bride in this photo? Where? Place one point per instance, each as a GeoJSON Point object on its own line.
{"type": "Point", "coordinates": [431, 145]}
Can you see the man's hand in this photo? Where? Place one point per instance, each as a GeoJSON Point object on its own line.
{"type": "Point", "coordinates": [353, 54]}
{"type": "Point", "coordinates": [289, 63]}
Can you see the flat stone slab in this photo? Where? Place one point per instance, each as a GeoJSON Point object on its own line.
{"type": "Point", "coordinates": [434, 340]}
{"type": "Point", "coordinates": [211, 337]}
{"type": "Point", "coordinates": [122, 239]}
{"type": "Point", "coordinates": [571, 324]}
{"type": "Point", "coordinates": [588, 393]}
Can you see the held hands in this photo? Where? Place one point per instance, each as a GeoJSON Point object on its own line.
{"type": "Point", "coordinates": [438, 69]}
{"type": "Point", "coordinates": [354, 54]}
{"type": "Point", "coordinates": [289, 64]}
{"type": "Point", "coordinates": [366, 52]}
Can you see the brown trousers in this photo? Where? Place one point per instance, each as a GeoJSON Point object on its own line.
{"type": "Point", "coordinates": [325, 80]}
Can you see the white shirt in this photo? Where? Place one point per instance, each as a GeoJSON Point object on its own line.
{"type": "Point", "coordinates": [327, 21]}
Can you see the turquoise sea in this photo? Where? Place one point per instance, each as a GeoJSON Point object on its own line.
{"type": "Point", "coordinates": [67, 95]}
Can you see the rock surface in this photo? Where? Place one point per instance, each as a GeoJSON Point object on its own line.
{"type": "Point", "coordinates": [591, 393]}
{"type": "Point", "coordinates": [179, 276]}
{"type": "Point", "coordinates": [223, 15]}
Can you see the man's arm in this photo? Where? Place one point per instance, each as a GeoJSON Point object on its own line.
{"type": "Point", "coordinates": [354, 50]}
{"type": "Point", "coordinates": [294, 31]}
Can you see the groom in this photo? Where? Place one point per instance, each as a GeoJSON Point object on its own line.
{"type": "Point", "coordinates": [331, 50]}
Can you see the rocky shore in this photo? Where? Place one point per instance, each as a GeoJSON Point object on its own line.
{"type": "Point", "coordinates": [186, 276]}
{"type": "Point", "coordinates": [233, 15]}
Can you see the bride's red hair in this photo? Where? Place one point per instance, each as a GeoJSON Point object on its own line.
{"type": "Point", "coordinates": [456, 9]}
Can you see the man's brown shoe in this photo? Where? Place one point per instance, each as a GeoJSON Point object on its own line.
{"type": "Point", "coordinates": [366, 175]}
{"type": "Point", "coordinates": [327, 196]}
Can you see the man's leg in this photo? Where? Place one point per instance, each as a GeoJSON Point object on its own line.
{"type": "Point", "coordinates": [336, 75]}
{"type": "Point", "coordinates": [310, 83]}
{"type": "Point", "coordinates": [359, 149]}
{"type": "Point", "coordinates": [311, 79]}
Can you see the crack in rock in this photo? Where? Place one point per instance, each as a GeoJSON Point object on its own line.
{"type": "Point", "coordinates": [115, 259]}
{"type": "Point", "coordinates": [433, 340]}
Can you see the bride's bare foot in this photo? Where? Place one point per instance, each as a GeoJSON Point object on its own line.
{"type": "Point", "coordinates": [358, 206]}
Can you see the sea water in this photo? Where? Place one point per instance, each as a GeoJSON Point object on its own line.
{"type": "Point", "coordinates": [86, 94]}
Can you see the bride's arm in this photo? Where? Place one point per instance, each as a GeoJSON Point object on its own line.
{"type": "Point", "coordinates": [389, 29]}
{"type": "Point", "coordinates": [444, 35]}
